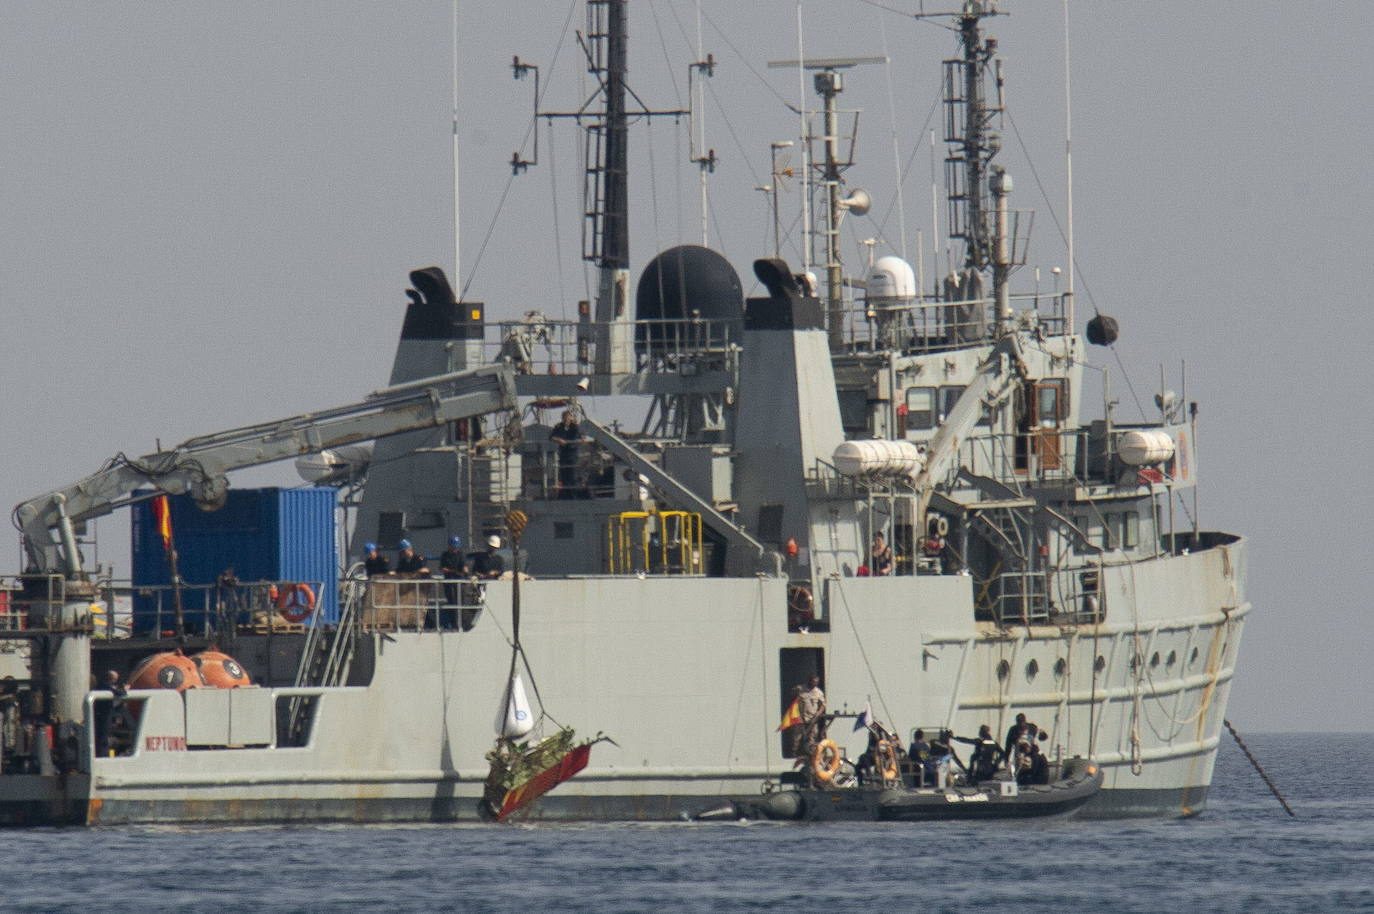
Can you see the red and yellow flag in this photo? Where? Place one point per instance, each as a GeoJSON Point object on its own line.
{"type": "Point", "coordinates": [792, 716]}
{"type": "Point", "coordinates": [162, 512]}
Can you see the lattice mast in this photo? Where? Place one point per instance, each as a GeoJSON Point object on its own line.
{"type": "Point", "coordinates": [606, 224]}
{"type": "Point", "coordinates": [977, 191]}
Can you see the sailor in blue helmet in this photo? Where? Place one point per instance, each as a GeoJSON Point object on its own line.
{"type": "Point", "coordinates": [408, 561]}
{"type": "Point", "coordinates": [453, 564]}
{"type": "Point", "coordinates": [374, 562]}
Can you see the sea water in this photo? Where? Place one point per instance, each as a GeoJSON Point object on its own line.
{"type": "Point", "coordinates": [1244, 854]}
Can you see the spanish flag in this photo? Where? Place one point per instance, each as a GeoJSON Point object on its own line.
{"type": "Point", "coordinates": [792, 716]}
{"type": "Point", "coordinates": [162, 512]}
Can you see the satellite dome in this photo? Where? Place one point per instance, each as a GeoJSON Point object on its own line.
{"type": "Point", "coordinates": [687, 281]}
{"type": "Point", "coordinates": [891, 281]}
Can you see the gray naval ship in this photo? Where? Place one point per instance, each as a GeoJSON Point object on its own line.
{"type": "Point", "coordinates": [680, 576]}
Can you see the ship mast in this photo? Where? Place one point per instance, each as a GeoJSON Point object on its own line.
{"type": "Point", "coordinates": [978, 191]}
{"type": "Point", "coordinates": [829, 83]}
{"type": "Point", "coordinates": [606, 224]}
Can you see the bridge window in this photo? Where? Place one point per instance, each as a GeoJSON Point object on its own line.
{"type": "Point", "coordinates": [1130, 530]}
{"type": "Point", "coordinates": [920, 408]}
{"type": "Point", "coordinates": [950, 394]}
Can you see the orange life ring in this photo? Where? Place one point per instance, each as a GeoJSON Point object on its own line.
{"type": "Point", "coordinates": [885, 758]}
{"type": "Point", "coordinates": [295, 602]}
{"type": "Point", "coordinates": [825, 761]}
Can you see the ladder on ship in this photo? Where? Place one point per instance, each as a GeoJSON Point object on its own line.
{"type": "Point", "coordinates": [327, 656]}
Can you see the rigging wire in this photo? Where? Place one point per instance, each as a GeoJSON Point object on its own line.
{"type": "Point", "coordinates": [1054, 217]}
{"type": "Point", "coordinates": [663, 43]}
{"type": "Point", "coordinates": [747, 63]}
{"type": "Point", "coordinates": [743, 684]}
{"type": "Point", "coordinates": [911, 160]}
{"type": "Point", "coordinates": [557, 229]}
{"type": "Point", "coordinates": [863, 652]}
{"type": "Point", "coordinates": [896, 150]}
{"type": "Point", "coordinates": [529, 131]}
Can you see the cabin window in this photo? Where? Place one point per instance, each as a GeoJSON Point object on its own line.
{"type": "Point", "coordinates": [1092, 536]}
{"type": "Point", "coordinates": [1106, 537]}
{"type": "Point", "coordinates": [391, 526]}
{"type": "Point", "coordinates": [920, 408]}
{"type": "Point", "coordinates": [854, 412]}
{"type": "Point", "coordinates": [562, 530]}
{"type": "Point", "coordinates": [770, 523]}
{"type": "Point", "coordinates": [1130, 530]}
{"type": "Point", "coordinates": [949, 395]}
{"type": "Point", "coordinates": [1051, 402]}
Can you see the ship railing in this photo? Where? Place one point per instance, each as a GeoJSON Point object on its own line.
{"type": "Point", "coordinates": [221, 610]}
{"type": "Point", "coordinates": [592, 474]}
{"type": "Point", "coordinates": [36, 606]}
{"type": "Point", "coordinates": [403, 603]}
{"type": "Point", "coordinates": [540, 345]}
{"type": "Point", "coordinates": [1038, 597]}
{"type": "Point", "coordinates": [937, 326]}
{"type": "Point", "coordinates": [1047, 454]}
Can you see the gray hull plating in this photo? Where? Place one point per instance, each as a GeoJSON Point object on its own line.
{"type": "Point", "coordinates": [674, 670]}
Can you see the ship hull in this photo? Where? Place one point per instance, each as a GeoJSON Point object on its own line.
{"type": "Point", "coordinates": [688, 676]}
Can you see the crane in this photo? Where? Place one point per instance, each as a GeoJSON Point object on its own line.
{"type": "Point", "coordinates": [200, 465]}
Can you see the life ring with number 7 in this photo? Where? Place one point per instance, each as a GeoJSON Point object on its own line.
{"type": "Point", "coordinates": [295, 602]}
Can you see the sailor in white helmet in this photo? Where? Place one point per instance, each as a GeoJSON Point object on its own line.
{"type": "Point", "coordinates": [489, 564]}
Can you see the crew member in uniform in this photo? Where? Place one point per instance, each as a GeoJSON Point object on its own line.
{"type": "Point", "coordinates": [811, 706]}
{"type": "Point", "coordinates": [489, 564]}
{"type": "Point", "coordinates": [453, 563]}
{"type": "Point", "coordinates": [374, 562]}
{"type": "Point", "coordinates": [408, 561]}
{"type": "Point", "coordinates": [567, 434]}
{"type": "Point", "coordinates": [881, 557]}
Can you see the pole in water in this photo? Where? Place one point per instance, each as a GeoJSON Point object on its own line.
{"type": "Point", "coordinates": [1253, 761]}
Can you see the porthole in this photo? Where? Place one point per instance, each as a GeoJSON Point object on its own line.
{"type": "Point", "coordinates": [1061, 666]}
{"type": "Point", "coordinates": [1173, 658]}
{"type": "Point", "coordinates": [1192, 658]}
{"type": "Point", "coordinates": [1100, 664]}
{"type": "Point", "coordinates": [1003, 670]}
{"type": "Point", "coordinates": [1031, 669]}
{"type": "Point", "coordinates": [1154, 660]}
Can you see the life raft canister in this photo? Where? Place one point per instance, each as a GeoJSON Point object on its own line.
{"type": "Point", "coordinates": [825, 760]}
{"type": "Point", "coordinates": [219, 670]}
{"type": "Point", "coordinates": [295, 602]}
{"type": "Point", "coordinates": [167, 670]}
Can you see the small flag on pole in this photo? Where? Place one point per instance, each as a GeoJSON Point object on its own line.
{"type": "Point", "coordinates": [865, 718]}
{"type": "Point", "coordinates": [792, 716]}
{"type": "Point", "coordinates": [162, 512]}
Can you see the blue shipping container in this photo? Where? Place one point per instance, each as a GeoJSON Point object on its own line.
{"type": "Point", "coordinates": [268, 534]}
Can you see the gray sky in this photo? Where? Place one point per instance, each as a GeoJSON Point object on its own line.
{"type": "Point", "coordinates": [208, 210]}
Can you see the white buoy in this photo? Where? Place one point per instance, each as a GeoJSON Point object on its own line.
{"type": "Point", "coordinates": [515, 718]}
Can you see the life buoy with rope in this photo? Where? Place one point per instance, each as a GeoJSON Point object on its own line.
{"type": "Point", "coordinates": [800, 606]}
{"type": "Point", "coordinates": [885, 759]}
{"type": "Point", "coordinates": [295, 602]}
{"type": "Point", "coordinates": [825, 760]}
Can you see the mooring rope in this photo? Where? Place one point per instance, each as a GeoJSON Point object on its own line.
{"type": "Point", "coordinates": [1253, 761]}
